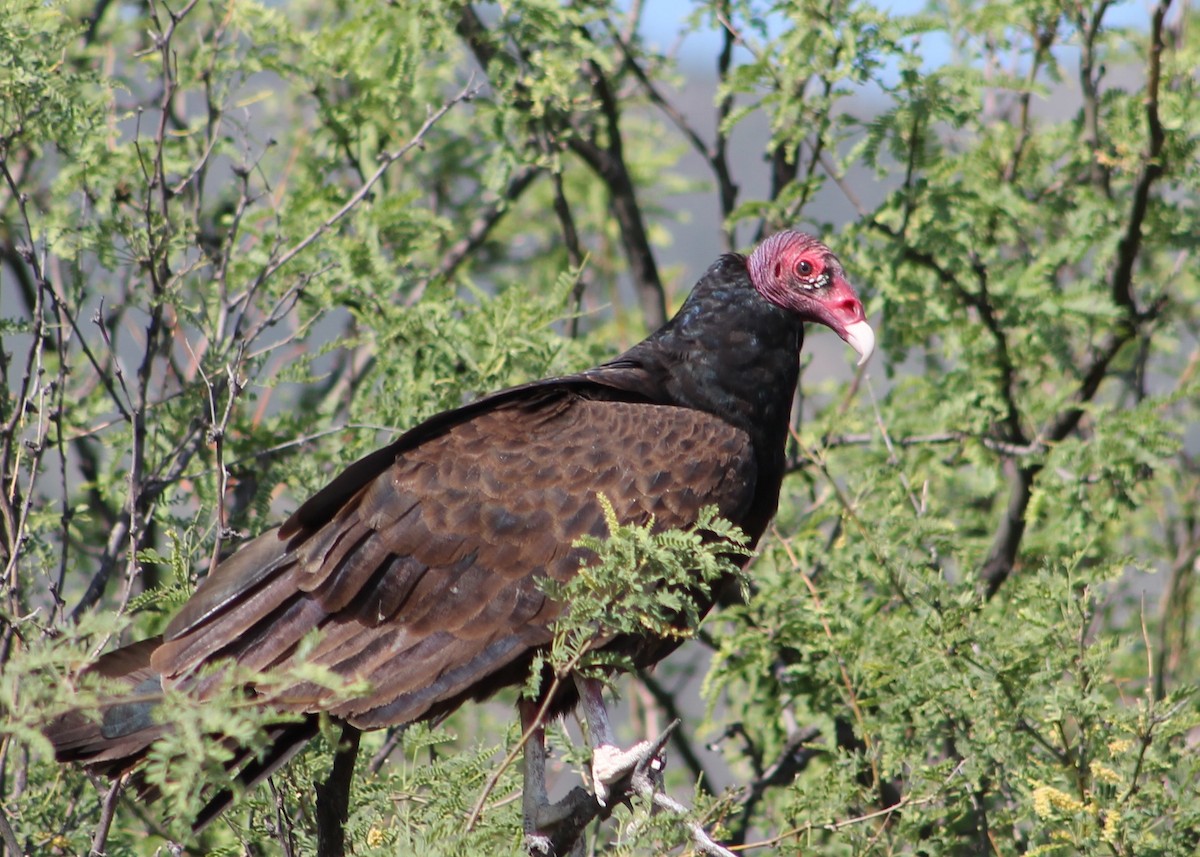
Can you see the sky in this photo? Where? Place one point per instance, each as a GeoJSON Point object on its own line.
{"type": "Point", "coordinates": [663, 20]}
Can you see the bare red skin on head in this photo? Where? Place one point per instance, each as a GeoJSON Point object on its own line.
{"type": "Point", "coordinates": [795, 271]}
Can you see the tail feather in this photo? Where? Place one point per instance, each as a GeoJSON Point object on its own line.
{"type": "Point", "coordinates": [285, 741]}
{"type": "Point", "coordinates": [118, 741]}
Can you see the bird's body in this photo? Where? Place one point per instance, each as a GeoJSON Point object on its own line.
{"type": "Point", "coordinates": [419, 568]}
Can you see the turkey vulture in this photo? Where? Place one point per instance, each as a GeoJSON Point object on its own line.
{"type": "Point", "coordinates": [417, 569]}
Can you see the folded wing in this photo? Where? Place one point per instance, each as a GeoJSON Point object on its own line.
{"type": "Point", "coordinates": [425, 580]}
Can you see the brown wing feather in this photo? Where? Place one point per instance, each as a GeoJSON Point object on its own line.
{"type": "Point", "coordinates": [424, 580]}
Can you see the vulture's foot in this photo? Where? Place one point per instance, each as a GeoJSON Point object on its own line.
{"type": "Point", "coordinates": [551, 826]}
{"type": "Point", "coordinates": [611, 764]}
{"type": "Point", "coordinates": [556, 829]}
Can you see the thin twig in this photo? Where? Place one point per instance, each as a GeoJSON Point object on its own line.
{"type": "Point", "coordinates": [1043, 41]}
{"type": "Point", "coordinates": [477, 233]}
{"type": "Point", "coordinates": [793, 758]}
{"type": "Point", "coordinates": [713, 155]}
{"type": "Point", "coordinates": [395, 736]}
{"type": "Point", "coordinates": [666, 700]}
{"type": "Point", "coordinates": [851, 512]}
{"type": "Point", "coordinates": [9, 836]}
{"type": "Point", "coordinates": [1089, 84]}
{"type": "Point", "coordinates": [107, 811]}
{"type": "Point", "coordinates": [848, 683]}
{"type": "Point", "coordinates": [841, 824]}
{"type": "Point", "coordinates": [283, 822]}
{"type": "Point", "coordinates": [386, 159]}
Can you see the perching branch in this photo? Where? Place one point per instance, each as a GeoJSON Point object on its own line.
{"type": "Point", "coordinates": [333, 796]}
{"type": "Point", "coordinates": [666, 701]}
{"type": "Point", "coordinates": [579, 808]}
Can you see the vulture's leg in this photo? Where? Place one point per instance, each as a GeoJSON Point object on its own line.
{"type": "Point", "coordinates": [533, 796]}
{"type": "Point", "coordinates": [609, 762]}
{"type": "Point", "coordinates": [541, 816]}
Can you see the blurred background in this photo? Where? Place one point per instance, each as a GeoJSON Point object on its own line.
{"type": "Point", "coordinates": [243, 244]}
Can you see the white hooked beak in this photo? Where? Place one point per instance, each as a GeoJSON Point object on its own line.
{"type": "Point", "coordinates": [861, 338]}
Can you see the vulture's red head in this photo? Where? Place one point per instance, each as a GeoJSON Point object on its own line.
{"type": "Point", "coordinates": [799, 273]}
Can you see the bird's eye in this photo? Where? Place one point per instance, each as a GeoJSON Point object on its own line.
{"type": "Point", "coordinates": [804, 268]}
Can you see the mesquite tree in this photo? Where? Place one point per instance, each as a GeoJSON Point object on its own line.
{"type": "Point", "coordinates": [243, 243]}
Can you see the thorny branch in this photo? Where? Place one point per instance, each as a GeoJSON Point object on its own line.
{"type": "Point", "coordinates": [602, 149]}
{"type": "Point", "coordinates": [333, 796]}
{"type": "Point", "coordinates": [608, 162]}
{"type": "Point", "coordinates": [715, 156]}
{"type": "Point", "coordinates": [149, 489]}
{"type": "Point", "coordinates": [1002, 556]}
{"type": "Point", "coordinates": [108, 810]}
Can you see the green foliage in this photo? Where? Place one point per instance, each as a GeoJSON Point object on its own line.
{"type": "Point", "coordinates": [640, 581]}
{"type": "Point", "coordinates": [972, 627]}
{"type": "Point", "coordinates": [195, 755]}
{"type": "Point", "coordinates": [41, 98]}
